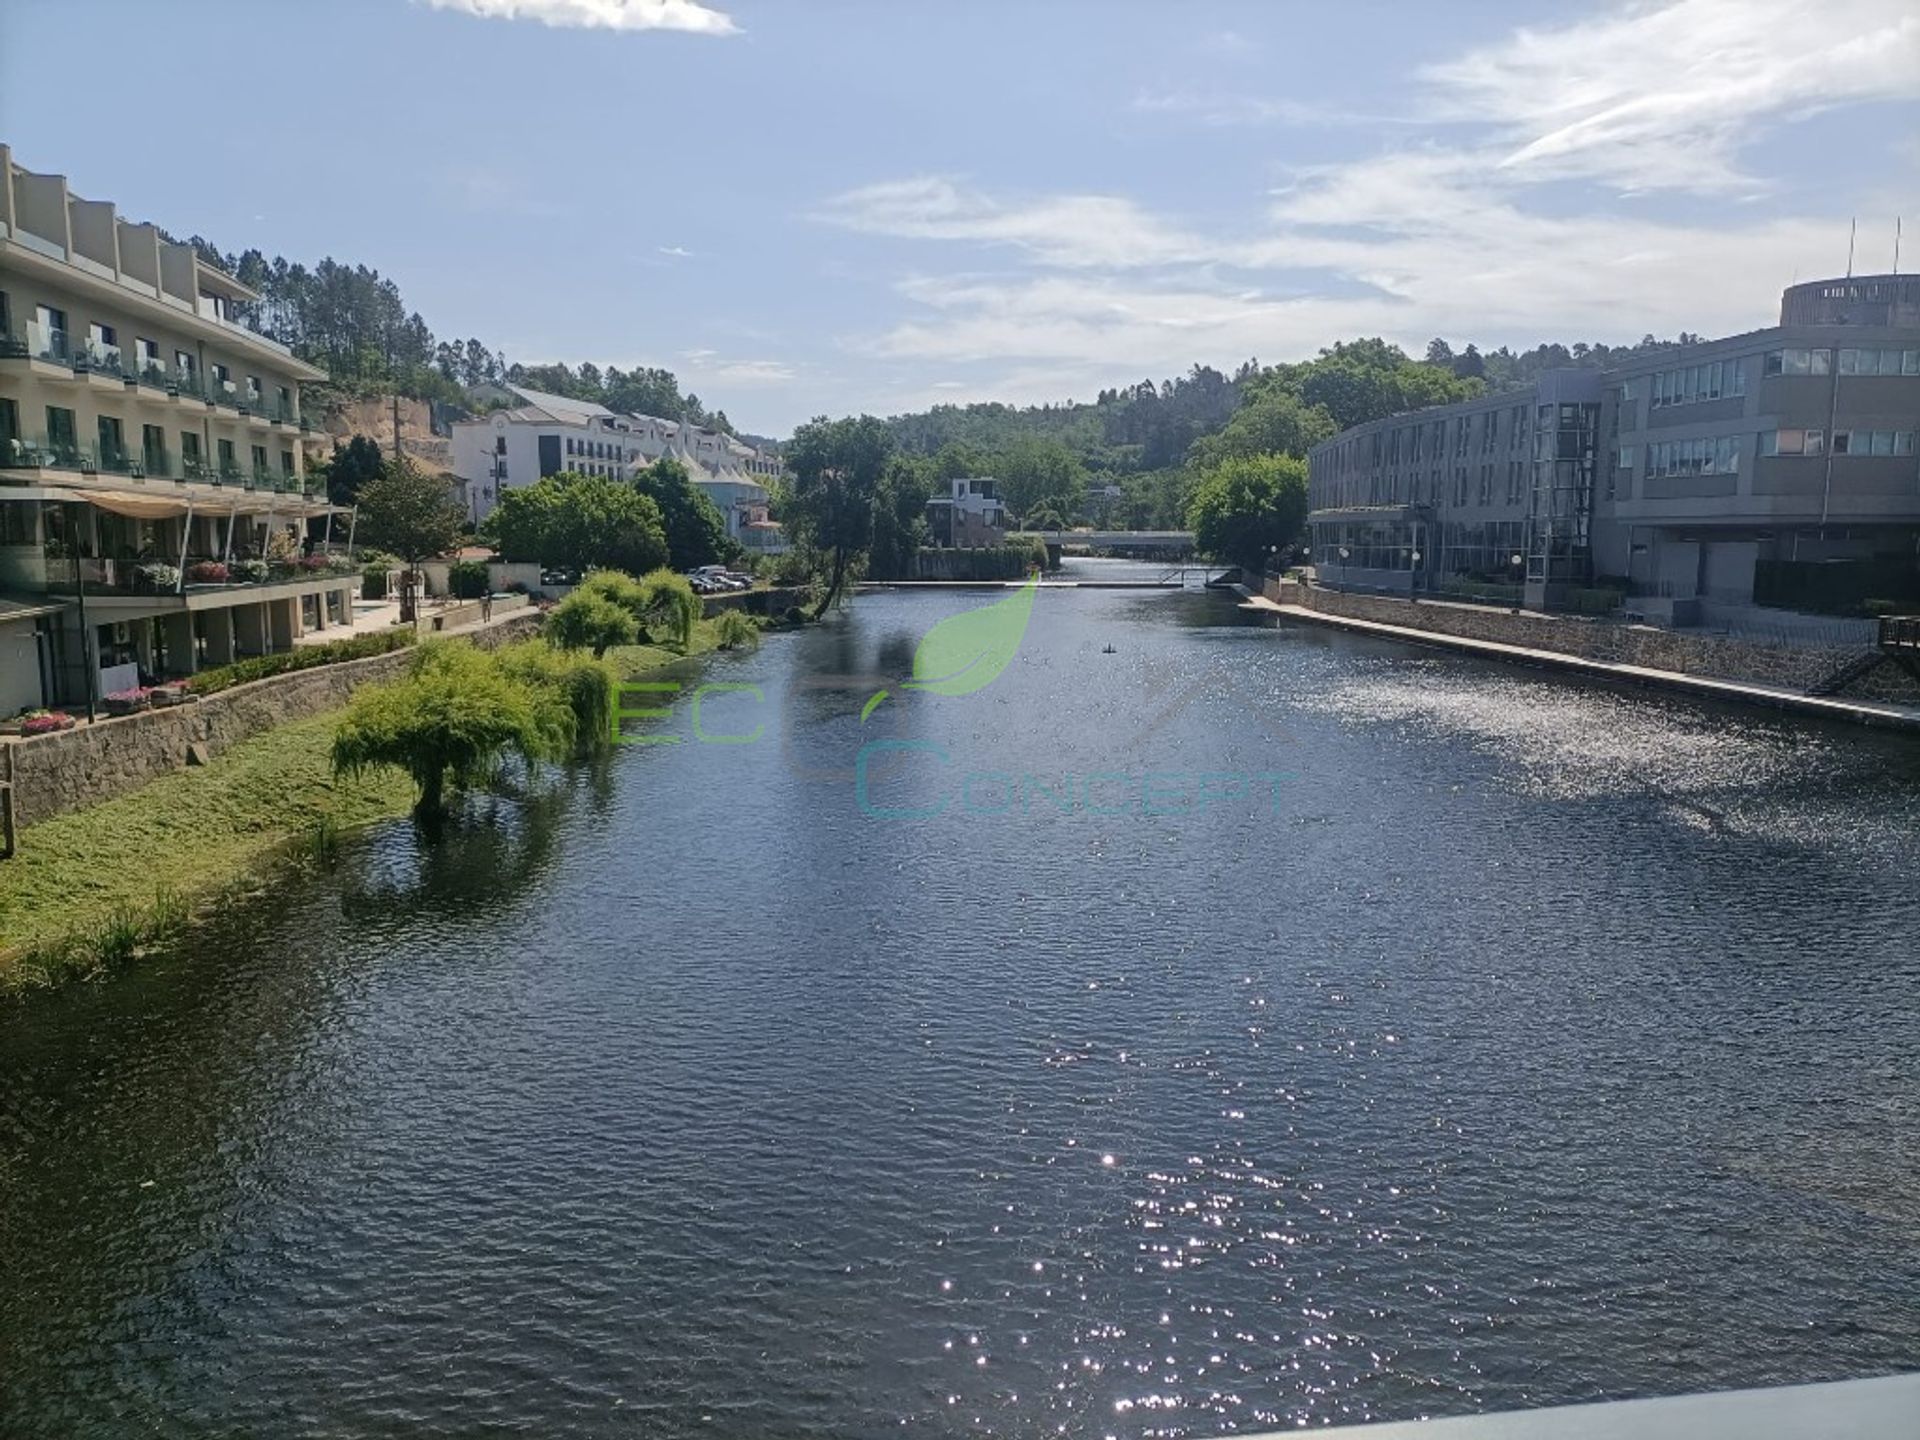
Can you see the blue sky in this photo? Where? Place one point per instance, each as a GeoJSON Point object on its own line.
{"type": "Point", "coordinates": [806, 206]}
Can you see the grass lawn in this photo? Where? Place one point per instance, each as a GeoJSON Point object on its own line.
{"type": "Point", "coordinates": [93, 881]}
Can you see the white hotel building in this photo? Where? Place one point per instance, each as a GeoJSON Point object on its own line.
{"type": "Point", "coordinates": [546, 434]}
{"type": "Point", "coordinates": [153, 486]}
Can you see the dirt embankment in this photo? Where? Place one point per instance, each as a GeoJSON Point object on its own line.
{"type": "Point", "coordinates": [374, 417]}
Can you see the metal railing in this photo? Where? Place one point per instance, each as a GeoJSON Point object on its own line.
{"type": "Point", "coordinates": [1900, 632]}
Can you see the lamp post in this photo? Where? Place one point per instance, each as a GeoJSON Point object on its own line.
{"type": "Point", "coordinates": [1519, 574]}
{"type": "Point", "coordinates": [1413, 576]}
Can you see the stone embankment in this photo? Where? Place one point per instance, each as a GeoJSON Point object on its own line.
{"type": "Point", "coordinates": [1609, 641]}
{"type": "Point", "coordinates": [72, 769]}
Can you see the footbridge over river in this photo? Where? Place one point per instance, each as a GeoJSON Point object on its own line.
{"type": "Point", "coordinates": [1145, 544]}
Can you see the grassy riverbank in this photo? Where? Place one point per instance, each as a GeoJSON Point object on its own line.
{"type": "Point", "coordinates": [87, 889]}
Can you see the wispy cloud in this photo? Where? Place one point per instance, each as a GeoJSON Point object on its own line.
{"type": "Point", "coordinates": [676, 252]}
{"type": "Point", "coordinates": [1097, 230]}
{"type": "Point", "coordinates": [711, 367]}
{"type": "Point", "coordinates": [1664, 97]}
{"type": "Point", "coordinates": [1221, 109]}
{"type": "Point", "coordinates": [1473, 231]}
{"type": "Point", "coordinates": [687, 15]}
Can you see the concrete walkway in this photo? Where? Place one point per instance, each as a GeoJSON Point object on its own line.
{"type": "Point", "coordinates": [1858, 712]}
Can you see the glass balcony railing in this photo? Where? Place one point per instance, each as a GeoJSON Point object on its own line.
{"type": "Point", "coordinates": [14, 347]}
{"type": "Point", "coordinates": [153, 373]}
{"type": "Point", "coordinates": [46, 342]}
{"type": "Point", "coordinates": [100, 357]}
{"type": "Point", "coordinates": [224, 392]}
{"type": "Point", "coordinates": [186, 384]}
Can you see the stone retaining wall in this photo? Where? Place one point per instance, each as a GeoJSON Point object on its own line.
{"type": "Point", "coordinates": [53, 774]}
{"type": "Point", "coordinates": [1612, 641]}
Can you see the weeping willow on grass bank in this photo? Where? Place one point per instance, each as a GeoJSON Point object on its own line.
{"type": "Point", "coordinates": [460, 712]}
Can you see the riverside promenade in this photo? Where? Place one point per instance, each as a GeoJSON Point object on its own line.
{"type": "Point", "coordinates": [1859, 712]}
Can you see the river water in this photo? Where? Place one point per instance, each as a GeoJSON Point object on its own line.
{"type": "Point", "coordinates": [1245, 1027]}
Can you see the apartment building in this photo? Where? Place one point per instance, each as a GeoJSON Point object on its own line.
{"type": "Point", "coordinates": [154, 505]}
{"type": "Point", "coordinates": [545, 434]}
{"type": "Point", "coordinates": [969, 515]}
{"type": "Point", "coordinates": [1685, 472]}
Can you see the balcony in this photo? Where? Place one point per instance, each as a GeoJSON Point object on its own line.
{"type": "Point", "coordinates": [223, 392]}
{"type": "Point", "coordinates": [97, 357]}
{"type": "Point", "coordinates": [49, 344]}
{"type": "Point", "coordinates": [124, 577]}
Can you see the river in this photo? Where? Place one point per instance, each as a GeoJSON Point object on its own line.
{"type": "Point", "coordinates": [1200, 1026]}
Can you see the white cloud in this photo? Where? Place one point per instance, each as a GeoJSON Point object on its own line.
{"type": "Point", "coordinates": [1222, 109]}
{"type": "Point", "coordinates": [1097, 230]}
{"type": "Point", "coordinates": [677, 252]}
{"type": "Point", "coordinates": [688, 15]}
{"type": "Point", "coordinates": [1665, 96]}
{"type": "Point", "coordinates": [710, 367]}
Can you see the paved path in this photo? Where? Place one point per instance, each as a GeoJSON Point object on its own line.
{"type": "Point", "coordinates": [1859, 712]}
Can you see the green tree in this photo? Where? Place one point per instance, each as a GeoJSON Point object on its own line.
{"type": "Point", "coordinates": [668, 606]}
{"type": "Point", "coordinates": [695, 529]}
{"type": "Point", "coordinates": [1245, 508]}
{"type": "Point", "coordinates": [411, 513]}
{"type": "Point", "coordinates": [900, 517]}
{"type": "Point", "coordinates": [578, 522]}
{"type": "Point", "coordinates": [449, 723]}
{"type": "Point", "coordinates": [351, 467]}
{"type": "Point", "coordinates": [1272, 421]}
{"type": "Point", "coordinates": [837, 468]}
{"type": "Point", "coordinates": [587, 620]}
{"type": "Point", "coordinates": [1035, 472]}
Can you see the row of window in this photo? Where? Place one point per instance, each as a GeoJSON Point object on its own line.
{"type": "Point", "coordinates": [49, 339]}
{"type": "Point", "coordinates": [1712, 381]}
{"type": "Point", "coordinates": [1712, 455]}
{"type": "Point", "coordinates": [61, 446]}
{"type": "Point", "coordinates": [1880, 362]}
{"type": "Point", "coordinates": [1845, 442]}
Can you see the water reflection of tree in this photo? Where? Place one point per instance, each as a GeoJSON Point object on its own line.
{"type": "Point", "coordinates": [484, 856]}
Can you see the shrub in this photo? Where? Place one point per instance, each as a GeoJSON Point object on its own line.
{"type": "Point", "coordinates": [795, 615]}
{"type": "Point", "coordinates": [373, 583]}
{"type": "Point", "coordinates": [467, 579]}
{"type": "Point", "coordinates": [735, 631]}
{"type": "Point", "coordinates": [588, 620]}
{"type": "Point", "coordinates": [157, 576]}
{"type": "Point", "coordinates": [450, 721]}
{"type": "Point", "coordinates": [260, 667]}
{"type": "Point", "coordinates": [587, 687]}
{"type": "Point", "coordinates": [249, 572]}
{"type": "Point", "coordinates": [46, 722]}
{"type": "Point", "coordinates": [668, 606]}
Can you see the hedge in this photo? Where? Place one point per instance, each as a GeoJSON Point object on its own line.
{"type": "Point", "coordinates": [307, 657]}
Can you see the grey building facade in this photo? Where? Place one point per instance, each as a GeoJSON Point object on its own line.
{"type": "Point", "coordinates": [1683, 473]}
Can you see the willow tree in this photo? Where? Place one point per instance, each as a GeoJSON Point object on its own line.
{"type": "Point", "coordinates": [450, 722]}
{"type": "Point", "coordinates": [837, 468]}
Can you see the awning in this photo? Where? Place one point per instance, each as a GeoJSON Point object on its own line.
{"type": "Point", "coordinates": [136, 506]}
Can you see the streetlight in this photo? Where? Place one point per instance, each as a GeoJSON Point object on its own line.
{"type": "Point", "coordinates": [1518, 577]}
{"type": "Point", "coordinates": [1413, 574]}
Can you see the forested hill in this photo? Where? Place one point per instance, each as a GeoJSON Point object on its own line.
{"type": "Point", "coordinates": [352, 321]}
{"type": "Point", "coordinates": [1143, 427]}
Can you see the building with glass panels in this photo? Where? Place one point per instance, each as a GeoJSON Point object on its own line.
{"type": "Point", "coordinates": [1701, 478]}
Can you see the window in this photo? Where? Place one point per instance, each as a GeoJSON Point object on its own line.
{"type": "Point", "coordinates": [1792, 442]}
{"type": "Point", "coordinates": [1873, 442]}
{"type": "Point", "coordinates": [186, 364]}
{"type": "Point", "coordinates": [500, 445]}
{"type": "Point", "coordinates": [62, 436]}
{"type": "Point", "coordinates": [1880, 362]}
{"type": "Point", "coordinates": [253, 390]}
{"type": "Point", "coordinates": [9, 430]}
{"type": "Point", "coordinates": [153, 449]}
{"type": "Point", "coordinates": [1797, 362]}
{"type": "Point", "coordinates": [50, 332]}
{"type": "Point", "coordinates": [229, 466]}
{"type": "Point", "coordinates": [192, 463]}
{"type": "Point", "coordinates": [1711, 455]}
{"type": "Point", "coordinates": [222, 378]}
{"type": "Point", "coordinates": [286, 462]}
{"type": "Point", "coordinates": [285, 397]}
{"type": "Point", "coordinates": [1715, 380]}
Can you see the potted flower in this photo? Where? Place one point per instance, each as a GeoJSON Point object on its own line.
{"type": "Point", "coordinates": [173, 693]}
{"type": "Point", "coordinates": [128, 702]}
{"type": "Point", "coordinates": [207, 572]}
{"type": "Point", "coordinates": [248, 572]}
{"type": "Point", "coordinates": [313, 564]}
{"type": "Point", "coordinates": [156, 576]}
{"type": "Point", "coordinates": [45, 722]}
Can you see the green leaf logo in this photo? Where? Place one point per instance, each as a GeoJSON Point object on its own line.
{"type": "Point", "coordinates": [964, 652]}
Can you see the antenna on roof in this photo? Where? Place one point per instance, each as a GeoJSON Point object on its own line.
{"type": "Point", "coordinates": [1853, 229]}
{"type": "Point", "coordinates": [1896, 244]}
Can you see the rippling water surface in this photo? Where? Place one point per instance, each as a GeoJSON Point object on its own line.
{"type": "Point", "coordinates": [1243, 1028]}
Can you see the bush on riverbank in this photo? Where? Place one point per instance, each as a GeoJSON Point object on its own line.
{"type": "Point", "coordinates": [450, 723]}
{"type": "Point", "coordinates": [586, 686]}
{"type": "Point", "coordinates": [260, 667]}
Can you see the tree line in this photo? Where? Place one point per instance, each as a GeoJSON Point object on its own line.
{"type": "Point", "coordinates": [353, 322]}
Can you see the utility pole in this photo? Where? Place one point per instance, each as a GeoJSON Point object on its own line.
{"type": "Point", "coordinates": [396, 419]}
